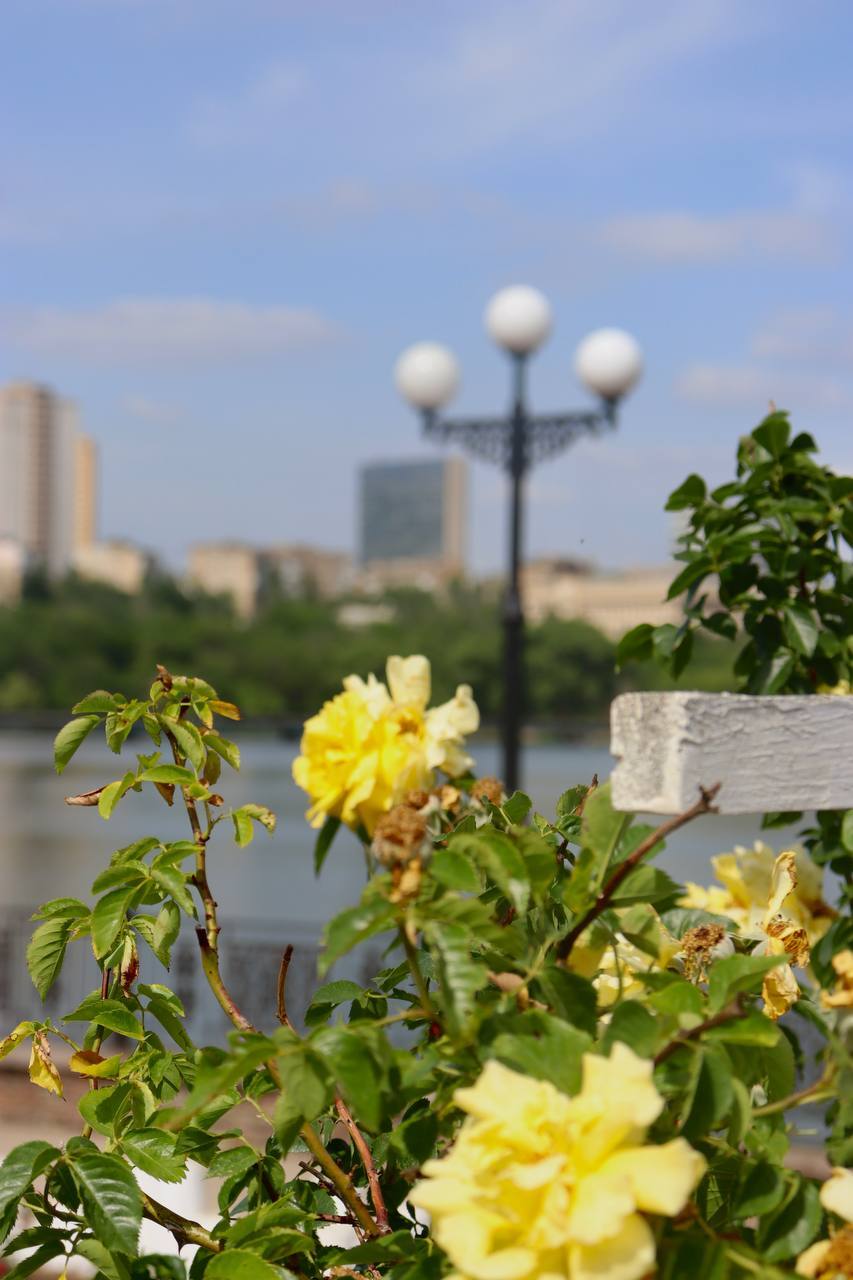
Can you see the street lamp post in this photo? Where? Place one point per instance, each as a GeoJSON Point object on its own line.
{"type": "Point", "coordinates": [608, 362]}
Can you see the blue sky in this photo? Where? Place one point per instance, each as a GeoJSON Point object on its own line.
{"type": "Point", "coordinates": [221, 220]}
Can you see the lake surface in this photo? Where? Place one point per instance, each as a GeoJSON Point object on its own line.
{"type": "Point", "coordinates": [268, 893]}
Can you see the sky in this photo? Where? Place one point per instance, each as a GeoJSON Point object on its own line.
{"type": "Point", "coordinates": [222, 220]}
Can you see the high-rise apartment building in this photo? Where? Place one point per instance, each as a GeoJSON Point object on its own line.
{"type": "Point", "coordinates": [414, 511]}
{"type": "Point", "coordinates": [41, 506]}
{"type": "Point", "coordinates": [85, 492]}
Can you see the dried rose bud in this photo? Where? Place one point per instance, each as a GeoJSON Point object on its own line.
{"type": "Point", "coordinates": [400, 835]}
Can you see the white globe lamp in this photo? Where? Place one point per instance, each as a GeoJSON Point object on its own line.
{"type": "Point", "coordinates": [427, 375]}
{"type": "Point", "coordinates": [609, 362]}
{"type": "Point", "coordinates": [518, 319]}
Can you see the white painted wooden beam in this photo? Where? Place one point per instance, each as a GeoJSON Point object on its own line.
{"type": "Point", "coordinates": [768, 753]}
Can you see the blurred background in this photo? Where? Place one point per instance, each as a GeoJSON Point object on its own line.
{"type": "Point", "coordinates": [220, 224]}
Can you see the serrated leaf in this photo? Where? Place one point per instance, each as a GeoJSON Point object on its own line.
{"type": "Point", "coordinates": [153, 1151]}
{"type": "Point", "coordinates": [226, 709]}
{"type": "Point", "coordinates": [452, 868]}
{"type": "Point", "coordinates": [231, 1161]}
{"type": "Point", "coordinates": [240, 1264]}
{"type": "Point", "coordinates": [229, 751]}
{"type": "Point", "coordinates": [172, 773]}
{"type": "Point", "coordinates": [108, 918]}
{"type": "Point", "coordinates": [734, 974]}
{"type": "Point", "coordinates": [188, 738]}
{"type": "Point", "coordinates": [69, 738]}
{"type": "Point", "coordinates": [801, 628]}
{"type": "Point", "coordinates": [112, 793]}
{"type": "Point", "coordinates": [86, 1062]}
{"type": "Point", "coordinates": [46, 951]}
{"type": "Point", "coordinates": [15, 1037]}
{"type": "Point", "coordinates": [174, 882]}
{"type": "Point", "coordinates": [460, 974]}
{"type": "Point", "coordinates": [21, 1167]}
{"type": "Point", "coordinates": [111, 1199]}
{"type": "Point", "coordinates": [110, 1014]}
{"type": "Point", "coordinates": [352, 926]}
{"type": "Point", "coordinates": [100, 702]}
{"type": "Point", "coordinates": [357, 1071]}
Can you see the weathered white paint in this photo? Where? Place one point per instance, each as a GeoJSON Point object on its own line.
{"type": "Point", "coordinates": [768, 753]}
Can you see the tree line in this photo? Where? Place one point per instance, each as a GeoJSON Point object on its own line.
{"type": "Point", "coordinates": [72, 635]}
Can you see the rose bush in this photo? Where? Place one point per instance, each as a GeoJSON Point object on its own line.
{"type": "Point", "coordinates": [566, 1066]}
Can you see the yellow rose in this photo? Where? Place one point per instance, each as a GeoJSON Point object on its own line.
{"type": "Point", "coordinates": [370, 745]}
{"type": "Point", "coordinates": [541, 1185]}
{"type": "Point", "coordinates": [833, 1257]}
{"type": "Point", "coordinates": [747, 877]}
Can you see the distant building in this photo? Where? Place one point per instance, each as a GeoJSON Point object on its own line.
{"type": "Point", "coordinates": [298, 569]}
{"type": "Point", "coordinates": [407, 571]}
{"type": "Point", "coordinates": [415, 512]}
{"type": "Point", "coordinates": [119, 564]}
{"type": "Point", "coordinates": [13, 562]}
{"type": "Point", "coordinates": [85, 492]}
{"type": "Point", "coordinates": [228, 569]}
{"type": "Point", "coordinates": [612, 602]}
{"type": "Point", "coordinates": [39, 475]}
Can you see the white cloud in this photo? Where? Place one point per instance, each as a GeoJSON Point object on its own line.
{"type": "Point", "coordinates": [550, 69]}
{"type": "Point", "coordinates": [139, 330]}
{"type": "Point", "coordinates": [691, 237]}
{"type": "Point", "coordinates": [752, 387]}
{"type": "Point", "coordinates": [263, 104]}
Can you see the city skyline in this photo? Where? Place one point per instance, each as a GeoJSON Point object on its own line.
{"type": "Point", "coordinates": [224, 270]}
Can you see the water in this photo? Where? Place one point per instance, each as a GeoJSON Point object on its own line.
{"type": "Point", "coordinates": [47, 848]}
{"type": "Point", "coordinates": [267, 892]}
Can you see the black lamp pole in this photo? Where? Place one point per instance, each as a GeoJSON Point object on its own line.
{"type": "Point", "coordinates": [517, 442]}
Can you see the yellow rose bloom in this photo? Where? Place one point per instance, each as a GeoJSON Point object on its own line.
{"type": "Point", "coordinates": [747, 877]}
{"type": "Point", "coordinates": [833, 1257]}
{"type": "Point", "coordinates": [374, 742]}
{"type": "Point", "coordinates": [540, 1186]}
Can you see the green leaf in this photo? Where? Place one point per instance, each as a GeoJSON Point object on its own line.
{"type": "Point", "coordinates": [499, 858]}
{"type": "Point", "coordinates": [98, 703]}
{"type": "Point", "coordinates": [233, 1160]}
{"type": "Point", "coordinates": [690, 493]}
{"type": "Point", "coordinates": [545, 1048]}
{"type": "Point", "coordinates": [174, 882]}
{"type": "Point", "coordinates": [112, 793]}
{"type": "Point", "coordinates": [517, 807]}
{"type": "Point", "coordinates": [229, 751]}
{"type": "Point", "coordinates": [243, 818]}
{"type": "Point", "coordinates": [645, 884]}
{"type": "Point", "coordinates": [632, 1023]}
{"type": "Point", "coordinates": [70, 908]}
{"type": "Point", "coordinates": [157, 1266]}
{"type": "Point", "coordinates": [111, 1014]}
{"type": "Point", "coordinates": [357, 1071]}
{"type": "Point", "coordinates": [18, 1171]}
{"type": "Point", "coordinates": [153, 1151]}
{"type": "Point", "coordinates": [108, 918]}
{"type": "Point", "coordinates": [46, 952]}
{"type": "Point", "coordinates": [569, 995]}
{"type": "Point", "coordinates": [172, 773]}
{"type": "Point", "coordinates": [323, 843]}
{"type": "Point", "coordinates": [161, 933]}
{"type": "Point", "coordinates": [239, 1264]}
{"type": "Point", "coordinates": [689, 576]}
{"type": "Point", "coordinates": [792, 1228]}
{"type": "Point", "coordinates": [455, 871]}
{"type": "Point", "coordinates": [352, 926]}
{"type": "Point", "coordinates": [773, 433]}
{"type": "Point", "coordinates": [307, 1083]}
{"type": "Point", "coordinates": [709, 1094]}
{"type": "Point", "coordinates": [734, 974]}
{"type": "Point", "coordinates": [69, 738]}
{"type": "Point", "coordinates": [774, 673]}
{"type": "Point", "coordinates": [111, 1199]}
{"type": "Point", "coordinates": [801, 628]}
{"type": "Point", "coordinates": [635, 645]}
{"type": "Point", "coordinates": [188, 738]}
{"type": "Point", "coordinates": [761, 1192]}
{"type": "Point", "coordinates": [459, 974]}
{"type": "Point", "coordinates": [327, 998]}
